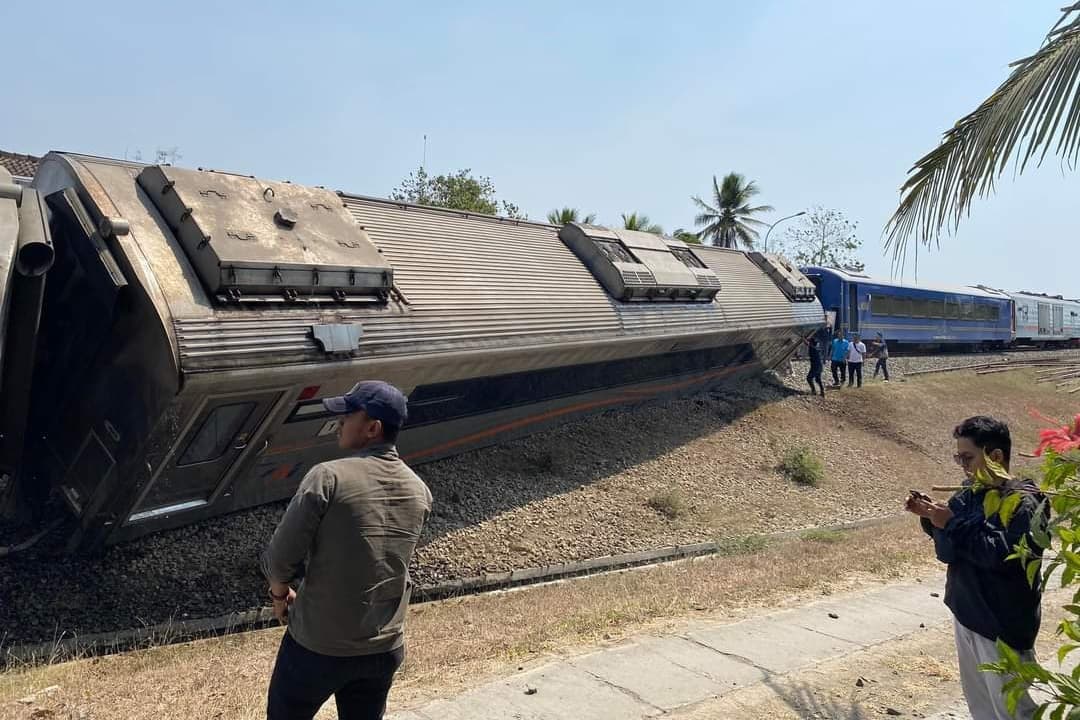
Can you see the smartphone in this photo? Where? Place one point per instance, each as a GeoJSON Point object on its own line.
{"type": "Point", "coordinates": [921, 496]}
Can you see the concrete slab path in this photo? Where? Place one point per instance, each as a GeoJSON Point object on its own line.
{"type": "Point", "coordinates": [655, 675]}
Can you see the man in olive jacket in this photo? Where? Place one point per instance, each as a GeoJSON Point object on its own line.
{"type": "Point", "coordinates": [989, 596]}
{"type": "Point", "coordinates": [355, 522]}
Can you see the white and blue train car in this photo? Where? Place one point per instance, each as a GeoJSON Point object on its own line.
{"type": "Point", "coordinates": [914, 315]}
{"type": "Point", "coordinates": [1045, 320]}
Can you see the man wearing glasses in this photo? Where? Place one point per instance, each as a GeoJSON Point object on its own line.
{"type": "Point", "coordinates": [989, 596]}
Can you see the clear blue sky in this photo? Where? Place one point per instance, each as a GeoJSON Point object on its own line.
{"type": "Point", "coordinates": [609, 107]}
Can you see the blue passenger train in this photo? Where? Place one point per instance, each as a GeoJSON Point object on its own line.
{"type": "Point", "coordinates": [914, 316]}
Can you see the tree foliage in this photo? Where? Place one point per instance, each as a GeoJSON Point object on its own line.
{"type": "Point", "coordinates": [1036, 108]}
{"type": "Point", "coordinates": [730, 220]}
{"type": "Point", "coordinates": [567, 215]}
{"type": "Point", "coordinates": [823, 237]}
{"type": "Point", "coordinates": [460, 191]}
{"type": "Point", "coordinates": [687, 236]}
{"type": "Point", "coordinates": [640, 222]}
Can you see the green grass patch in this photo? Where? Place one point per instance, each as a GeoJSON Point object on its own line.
{"type": "Point", "coordinates": [802, 467]}
{"type": "Point", "coordinates": [669, 503]}
{"type": "Point", "coordinates": [830, 537]}
{"type": "Point", "coordinates": [745, 545]}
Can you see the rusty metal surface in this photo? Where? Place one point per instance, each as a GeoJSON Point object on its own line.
{"type": "Point", "coordinates": [254, 236]}
{"type": "Point", "coordinates": [472, 283]}
{"type": "Point", "coordinates": [9, 235]}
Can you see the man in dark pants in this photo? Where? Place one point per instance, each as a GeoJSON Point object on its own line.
{"type": "Point", "coordinates": [839, 347]}
{"type": "Point", "coordinates": [816, 365]}
{"type": "Point", "coordinates": [856, 353]}
{"type": "Point", "coordinates": [882, 357]}
{"type": "Point", "coordinates": [356, 522]}
{"type": "Point", "coordinates": [989, 596]}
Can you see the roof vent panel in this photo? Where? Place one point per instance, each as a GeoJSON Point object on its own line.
{"type": "Point", "coordinates": [634, 265]}
{"type": "Point", "coordinates": [257, 241]}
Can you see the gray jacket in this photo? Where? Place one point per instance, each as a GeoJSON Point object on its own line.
{"type": "Point", "coordinates": [356, 522]}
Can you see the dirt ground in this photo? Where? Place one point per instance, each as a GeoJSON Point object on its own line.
{"type": "Point", "coordinates": [585, 490]}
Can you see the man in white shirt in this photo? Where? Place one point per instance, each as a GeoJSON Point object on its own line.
{"type": "Point", "coordinates": [856, 352]}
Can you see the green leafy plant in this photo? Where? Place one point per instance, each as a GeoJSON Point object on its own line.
{"type": "Point", "coordinates": [1060, 486]}
{"type": "Point", "coordinates": [802, 467]}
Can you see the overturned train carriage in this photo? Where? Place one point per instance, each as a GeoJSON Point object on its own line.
{"type": "Point", "coordinates": [191, 321]}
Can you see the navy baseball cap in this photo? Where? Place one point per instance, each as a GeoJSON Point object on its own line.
{"type": "Point", "coordinates": [380, 400]}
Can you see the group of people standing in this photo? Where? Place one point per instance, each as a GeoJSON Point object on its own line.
{"type": "Point", "coordinates": [847, 357]}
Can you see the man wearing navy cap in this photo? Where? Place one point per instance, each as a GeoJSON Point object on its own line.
{"type": "Point", "coordinates": [356, 522]}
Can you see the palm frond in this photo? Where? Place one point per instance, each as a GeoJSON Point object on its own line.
{"type": "Point", "coordinates": [746, 236]}
{"type": "Point", "coordinates": [1038, 102]}
{"type": "Point", "coordinates": [704, 205]}
{"type": "Point", "coordinates": [759, 209]}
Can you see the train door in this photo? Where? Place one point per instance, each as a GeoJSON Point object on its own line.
{"type": "Point", "coordinates": [1044, 318]}
{"type": "Point", "coordinates": [1059, 320]}
{"type": "Point", "coordinates": [853, 307]}
{"type": "Point", "coordinates": [201, 462]}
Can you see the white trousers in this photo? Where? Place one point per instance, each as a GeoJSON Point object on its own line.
{"type": "Point", "coordinates": [982, 690]}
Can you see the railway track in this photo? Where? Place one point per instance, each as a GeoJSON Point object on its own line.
{"type": "Point", "coordinates": [65, 648]}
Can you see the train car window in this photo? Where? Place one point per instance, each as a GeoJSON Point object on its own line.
{"type": "Point", "coordinates": [687, 258]}
{"type": "Point", "coordinates": [936, 308]}
{"type": "Point", "coordinates": [309, 410]}
{"type": "Point", "coordinates": [881, 305]}
{"type": "Point", "coordinates": [614, 250]}
{"type": "Point", "coordinates": [920, 308]}
{"type": "Point", "coordinates": [460, 398]}
{"type": "Point", "coordinates": [216, 434]}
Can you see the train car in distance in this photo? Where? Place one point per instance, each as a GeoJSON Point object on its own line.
{"type": "Point", "coordinates": [1045, 320]}
{"type": "Point", "coordinates": [917, 317]}
{"type": "Point", "coordinates": [167, 334]}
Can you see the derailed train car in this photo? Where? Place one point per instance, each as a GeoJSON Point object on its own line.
{"type": "Point", "coordinates": [191, 321]}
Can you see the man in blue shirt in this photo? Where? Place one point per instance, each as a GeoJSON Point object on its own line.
{"type": "Point", "coordinates": [839, 353]}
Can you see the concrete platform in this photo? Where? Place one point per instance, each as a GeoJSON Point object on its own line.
{"type": "Point", "coordinates": [650, 675]}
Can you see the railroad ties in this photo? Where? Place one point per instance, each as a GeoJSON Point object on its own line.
{"type": "Point", "coordinates": [1064, 373]}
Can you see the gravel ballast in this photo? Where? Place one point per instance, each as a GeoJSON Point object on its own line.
{"type": "Point", "coordinates": [583, 490]}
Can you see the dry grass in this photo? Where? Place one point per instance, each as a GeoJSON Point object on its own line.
{"type": "Point", "coordinates": [669, 503]}
{"type": "Point", "coordinates": [459, 643]}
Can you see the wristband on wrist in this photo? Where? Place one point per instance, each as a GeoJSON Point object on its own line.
{"type": "Point", "coordinates": [277, 598]}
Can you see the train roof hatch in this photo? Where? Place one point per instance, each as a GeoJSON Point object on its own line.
{"type": "Point", "coordinates": [256, 241]}
{"type": "Point", "coordinates": [635, 265]}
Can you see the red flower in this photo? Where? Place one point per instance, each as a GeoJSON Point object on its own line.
{"type": "Point", "coordinates": [1060, 440]}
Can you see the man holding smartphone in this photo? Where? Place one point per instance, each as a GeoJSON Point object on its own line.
{"type": "Point", "coordinates": [989, 596]}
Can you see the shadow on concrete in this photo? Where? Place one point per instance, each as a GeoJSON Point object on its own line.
{"type": "Point", "coordinates": [809, 703]}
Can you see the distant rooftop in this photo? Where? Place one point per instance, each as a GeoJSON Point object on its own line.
{"type": "Point", "coordinates": [19, 165]}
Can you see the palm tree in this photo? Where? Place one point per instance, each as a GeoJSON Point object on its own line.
{"type": "Point", "coordinates": [633, 221]}
{"type": "Point", "coordinates": [1037, 106]}
{"type": "Point", "coordinates": [567, 215]}
{"type": "Point", "coordinates": [687, 237]}
{"type": "Point", "coordinates": [730, 220]}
